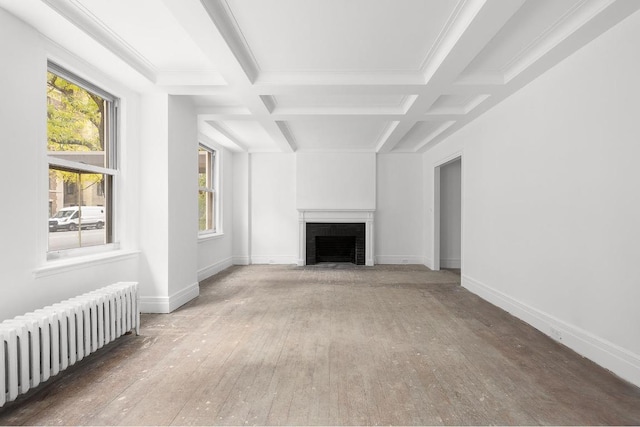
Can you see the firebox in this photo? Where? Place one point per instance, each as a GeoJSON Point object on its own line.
{"type": "Point", "coordinates": [335, 242]}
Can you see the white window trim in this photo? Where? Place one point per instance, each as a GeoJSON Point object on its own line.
{"type": "Point", "coordinates": [209, 144]}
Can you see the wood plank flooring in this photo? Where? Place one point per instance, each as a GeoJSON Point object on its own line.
{"type": "Point", "coordinates": [332, 345]}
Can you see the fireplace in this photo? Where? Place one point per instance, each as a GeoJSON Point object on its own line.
{"type": "Point", "coordinates": [335, 242]}
{"type": "Point", "coordinates": [335, 236]}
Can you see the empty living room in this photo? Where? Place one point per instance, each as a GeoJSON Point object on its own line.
{"type": "Point", "coordinates": [320, 212]}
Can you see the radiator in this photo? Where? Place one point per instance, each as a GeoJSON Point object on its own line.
{"type": "Point", "coordinates": [40, 344]}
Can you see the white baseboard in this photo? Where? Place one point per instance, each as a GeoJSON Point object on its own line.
{"type": "Point", "coordinates": [241, 260]}
{"type": "Point", "coordinates": [216, 268]}
{"type": "Point", "coordinates": [450, 263]}
{"type": "Point", "coordinates": [399, 259]}
{"type": "Point", "coordinates": [170, 303]}
{"type": "Point", "coordinates": [275, 259]}
{"type": "Point", "coordinates": [618, 360]}
{"type": "Point", "coordinates": [428, 262]}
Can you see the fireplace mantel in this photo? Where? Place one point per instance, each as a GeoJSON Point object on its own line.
{"type": "Point", "coordinates": [365, 216]}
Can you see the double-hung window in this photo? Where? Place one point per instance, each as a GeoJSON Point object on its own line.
{"type": "Point", "coordinates": [208, 221]}
{"type": "Point", "coordinates": [81, 157]}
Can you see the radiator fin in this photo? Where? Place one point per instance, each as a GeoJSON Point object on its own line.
{"type": "Point", "coordinates": [40, 344]}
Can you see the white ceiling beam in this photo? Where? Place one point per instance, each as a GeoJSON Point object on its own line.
{"type": "Point", "coordinates": [605, 16]}
{"type": "Point", "coordinates": [215, 114]}
{"type": "Point", "coordinates": [474, 26]}
{"type": "Point", "coordinates": [210, 29]}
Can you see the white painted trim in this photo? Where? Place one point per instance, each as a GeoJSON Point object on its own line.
{"type": "Point", "coordinates": [215, 268]}
{"type": "Point", "coordinates": [241, 260]}
{"type": "Point", "coordinates": [435, 224]}
{"type": "Point", "coordinates": [75, 12]}
{"type": "Point", "coordinates": [618, 360]}
{"type": "Point", "coordinates": [274, 259]}
{"type": "Point", "coordinates": [76, 263]}
{"type": "Point", "coordinates": [150, 304]}
{"type": "Point", "coordinates": [428, 262]}
{"type": "Point", "coordinates": [450, 263]}
{"type": "Point", "coordinates": [400, 259]}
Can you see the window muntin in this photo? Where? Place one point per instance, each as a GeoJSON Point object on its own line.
{"type": "Point", "coordinates": [81, 161]}
{"type": "Point", "coordinates": [207, 190]}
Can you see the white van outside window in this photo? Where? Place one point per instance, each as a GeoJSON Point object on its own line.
{"type": "Point", "coordinates": [77, 217]}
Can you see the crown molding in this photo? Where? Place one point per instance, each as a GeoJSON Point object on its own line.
{"type": "Point", "coordinates": [287, 134]}
{"type": "Point", "coordinates": [74, 12]}
{"type": "Point", "coordinates": [225, 134]}
{"type": "Point", "coordinates": [422, 146]}
{"type": "Point", "coordinates": [554, 35]}
{"type": "Point", "coordinates": [339, 78]}
{"type": "Point", "coordinates": [462, 17]}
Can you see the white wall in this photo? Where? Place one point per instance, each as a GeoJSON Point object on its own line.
{"type": "Point", "coordinates": [241, 221]}
{"type": "Point", "coordinates": [450, 214]}
{"type": "Point", "coordinates": [154, 199]}
{"type": "Point", "coordinates": [29, 281]}
{"type": "Point", "coordinates": [399, 217]}
{"type": "Point", "coordinates": [336, 180]}
{"type": "Point", "coordinates": [215, 253]}
{"type": "Point", "coordinates": [274, 218]}
{"type": "Point", "coordinates": [551, 201]}
{"type": "Point", "coordinates": [169, 200]}
{"type": "Point", "coordinates": [183, 197]}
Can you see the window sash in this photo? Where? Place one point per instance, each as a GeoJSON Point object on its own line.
{"type": "Point", "coordinates": [109, 172]}
{"type": "Point", "coordinates": [211, 222]}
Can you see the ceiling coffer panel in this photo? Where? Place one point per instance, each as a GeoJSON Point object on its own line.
{"type": "Point", "coordinates": [285, 36]}
{"type": "Point", "coordinates": [337, 133]}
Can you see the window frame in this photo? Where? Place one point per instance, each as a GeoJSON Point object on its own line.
{"type": "Point", "coordinates": [214, 189]}
{"type": "Point", "coordinates": [111, 171]}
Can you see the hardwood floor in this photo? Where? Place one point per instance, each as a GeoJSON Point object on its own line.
{"type": "Point", "coordinates": [332, 345]}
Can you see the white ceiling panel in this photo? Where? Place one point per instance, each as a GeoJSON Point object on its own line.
{"type": "Point", "coordinates": [247, 133]}
{"type": "Point", "coordinates": [340, 101]}
{"type": "Point", "coordinates": [336, 134]}
{"type": "Point", "coordinates": [148, 28]}
{"type": "Point", "coordinates": [338, 35]}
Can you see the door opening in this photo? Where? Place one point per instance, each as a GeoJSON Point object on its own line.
{"type": "Point", "coordinates": [448, 216]}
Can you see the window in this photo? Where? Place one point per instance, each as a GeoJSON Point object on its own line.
{"type": "Point", "coordinates": [207, 190]}
{"type": "Point", "coordinates": [81, 156]}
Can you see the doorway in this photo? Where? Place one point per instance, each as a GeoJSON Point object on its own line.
{"type": "Point", "coordinates": [448, 216]}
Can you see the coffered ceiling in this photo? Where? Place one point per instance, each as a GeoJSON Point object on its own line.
{"type": "Point", "coordinates": [318, 75]}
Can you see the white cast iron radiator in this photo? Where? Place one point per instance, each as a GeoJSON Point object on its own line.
{"type": "Point", "coordinates": [38, 345]}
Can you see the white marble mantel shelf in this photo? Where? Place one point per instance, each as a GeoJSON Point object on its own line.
{"type": "Point", "coordinates": [365, 216]}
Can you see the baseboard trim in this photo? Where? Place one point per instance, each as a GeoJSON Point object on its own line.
{"type": "Point", "coordinates": [241, 260]}
{"type": "Point", "coordinates": [205, 273]}
{"type": "Point", "coordinates": [276, 259]}
{"type": "Point", "coordinates": [399, 259]}
{"type": "Point", "coordinates": [618, 360]}
{"type": "Point", "coordinates": [450, 263]}
{"type": "Point", "coordinates": [168, 304]}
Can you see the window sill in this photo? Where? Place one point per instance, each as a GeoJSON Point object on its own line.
{"type": "Point", "coordinates": [204, 237]}
{"type": "Point", "coordinates": [70, 264]}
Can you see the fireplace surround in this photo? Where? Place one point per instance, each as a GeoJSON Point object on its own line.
{"type": "Point", "coordinates": [336, 218]}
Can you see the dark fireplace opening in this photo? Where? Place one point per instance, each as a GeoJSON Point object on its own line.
{"type": "Point", "coordinates": [335, 242]}
{"type": "Point", "coordinates": [336, 249]}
